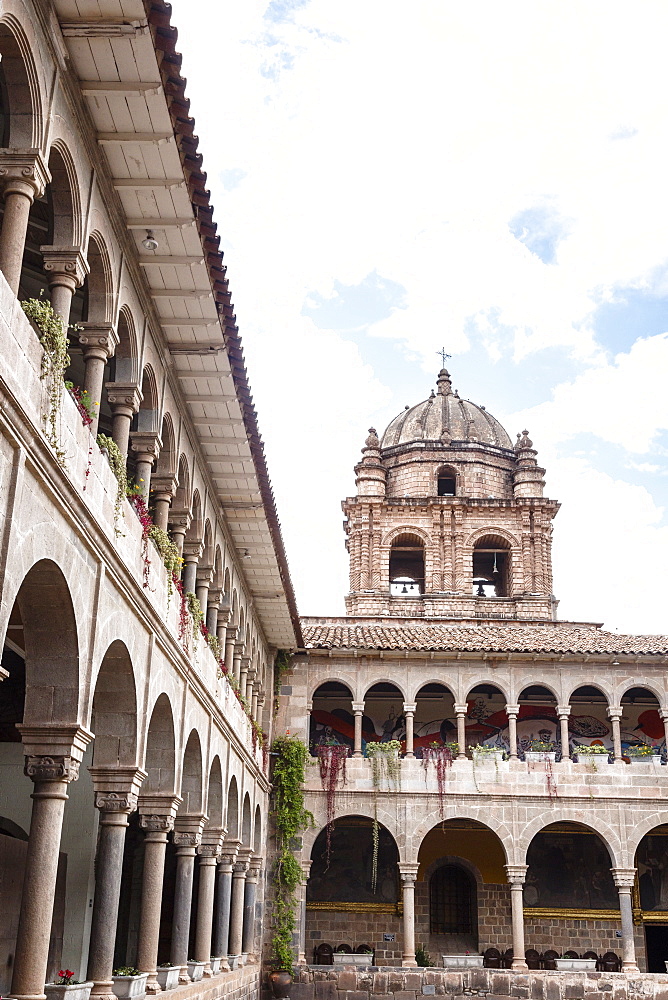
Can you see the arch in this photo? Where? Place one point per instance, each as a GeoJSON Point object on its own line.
{"type": "Point", "coordinates": [20, 82]}
{"type": "Point", "coordinates": [339, 874]}
{"type": "Point", "coordinates": [226, 585]}
{"type": "Point", "coordinates": [246, 822]}
{"type": "Point", "coordinates": [208, 553]}
{"type": "Point", "coordinates": [147, 417]}
{"type": "Point", "coordinates": [642, 828]}
{"type": "Point", "coordinates": [182, 499]}
{"type": "Point", "coordinates": [447, 481]}
{"type": "Point", "coordinates": [232, 822]}
{"type": "Point", "coordinates": [332, 717]}
{"type": "Point", "coordinates": [160, 763]}
{"type": "Point", "coordinates": [406, 529]}
{"type": "Point", "coordinates": [494, 532]}
{"type": "Point", "coordinates": [609, 836]}
{"type": "Point", "coordinates": [217, 583]}
{"type": "Point", "coordinates": [214, 799]}
{"type": "Point", "coordinates": [126, 358]}
{"type": "Point", "coordinates": [591, 690]}
{"type": "Point", "coordinates": [195, 532]}
{"type": "Point", "coordinates": [257, 831]}
{"type": "Point", "coordinates": [569, 865]}
{"type": "Point", "coordinates": [537, 719]}
{"type": "Point", "coordinates": [99, 281]}
{"type": "Point", "coordinates": [50, 635]}
{"type": "Point", "coordinates": [191, 779]}
{"type": "Point", "coordinates": [491, 557]}
{"type": "Point", "coordinates": [65, 197]}
{"type": "Point", "coordinates": [166, 463]}
{"type": "Point", "coordinates": [11, 829]}
{"type": "Point", "coordinates": [114, 715]}
{"type": "Point", "coordinates": [453, 900]}
{"type": "Point", "coordinates": [435, 719]}
{"type": "Point", "coordinates": [407, 565]}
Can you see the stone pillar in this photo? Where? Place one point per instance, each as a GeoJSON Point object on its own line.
{"type": "Point", "coordinates": [156, 819]}
{"type": "Point", "coordinates": [254, 699]}
{"type": "Point", "coordinates": [24, 175]}
{"type": "Point", "coordinates": [409, 715]}
{"type": "Point", "coordinates": [236, 662]}
{"type": "Point", "coordinates": [99, 342]}
{"type": "Point", "coordinates": [563, 713]}
{"type": "Point", "coordinates": [192, 553]}
{"type": "Point", "coordinates": [624, 879]}
{"type": "Point", "coordinates": [116, 791]}
{"type": "Point", "coordinates": [301, 954]}
{"type": "Point", "coordinates": [250, 891]}
{"type": "Point", "coordinates": [124, 398]}
{"type": "Point", "coordinates": [66, 269]}
{"type": "Point", "coordinates": [52, 760]}
{"type": "Point", "coordinates": [187, 838]}
{"type": "Point", "coordinates": [615, 716]}
{"type": "Point", "coordinates": [512, 711]}
{"type": "Point", "coordinates": [663, 712]}
{"type": "Point", "coordinates": [208, 858]}
{"type": "Point", "coordinates": [230, 646]}
{"type": "Point", "coordinates": [212, 611]}
{"type": "Point", "coordinates": [235, 944]}
{"type": "Point", "coordinates": [244, 667]}
{"type": "Point", "coordinates": [203, 582]}
{"type": "Point", "coordinates": [179, 522]}
{"type": "Point", "coordinates": [221, 935]}
{"type": "Point", "coordinates": [408, 873]}
{"type": "Point", "coordinates": [516, 875]}
{"type": "Point", "coordinates": [461, 711]}
{"type": "Point", "coordinates": [221, 628]}
{"type": "Point", "coordinates": [146, 445]}
{"type": "Point", "coordinates": [358, 710]}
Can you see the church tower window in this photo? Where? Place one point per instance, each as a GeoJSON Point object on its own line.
{"type": "Point", "coordinates": [407, 566]}
{"type": "Point", "coordinates": [446, 482]}
{"type": "Point", "coordinates": [491, 567]}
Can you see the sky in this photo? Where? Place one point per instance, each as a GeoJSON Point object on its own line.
{"type": "Point", "coordinates": [390, 179]}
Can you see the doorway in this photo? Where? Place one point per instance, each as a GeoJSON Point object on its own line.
{"type": "Point", "coordinates": [656, 943]}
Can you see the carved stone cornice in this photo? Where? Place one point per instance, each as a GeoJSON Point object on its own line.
{"type": "Point", "coordinates": [179, 519]}
{"type": "Point", "coordinates": [204, 576]}
{"type": "Point", "coordinates": [186, 838]}
{"type": "Point", "coordinates": [54, 739]}
{"type": "Point", "coordinates": [158, 812]}
{"type": "Point", "coordinates": [124, 394]}
{"type": "Point", "coordinates": [624, 878]}
{"type": "Point", "coordinates": [207, 851]}
{"type": "Point", "coordinates": [121, 802]}
{"type": "Point", "coordinates": [51, 768]}
{"type": "Point", "coordinates": [156, 823]}
{"type": "Point", "coordinates": [516, 874]}
{"type": "Point", "coordinates": [145, 444]}
{"type": "Point", "coordinates": [23, 171]}
{"type": "Point", "coordinates": [98, 339]}
{"type": "Point", "coordinates": [408, 871]}
{"type": "Point", "coordinates": [69, 262]}
{"type": "Point", "coordinates": [193, 549]}
{"type": "Point", "coordinates": [239, 868]}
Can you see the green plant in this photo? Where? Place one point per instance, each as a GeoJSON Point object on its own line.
{"type": "Point", "coordinates": [282, 664]}
{"type": "Point", "coordinates": [291, 818]}
{"type": "Point", "coordinates": [117, 463]}
{"type": "Point", "coordinates": [385, 762]}
{"type": "Point", "coordinates": [195, 609]}
{"type": "Point", "coordinates": [541, 746]}
{"type": "Point", "coordinates": [422, 957]}
{"type": "Point", "coordinates": [126, 970]}
{"type": "Point", "coordinates": [482, 749]}
{"type": "Point", "coordinates": [641, 750]}
{"type": "Point", "coordinates": [586, 750]}
{"type": "Point", "coordinates": [66, 978]}
{"type": "Point", "coordinates": [55, 362]}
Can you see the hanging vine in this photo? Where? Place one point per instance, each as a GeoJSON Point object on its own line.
{"type": "Point", "coordinates": [441, 757]}
{"type": "Point", "coordinates": [195, 611]}
{"type": "Point", "coordinates": [117, 463]}
{"type": "Point", "coordinates": [291, 818]}
{"type": "Point", "coordinates": [138, 503]}
{"type": "Point", "coordinates": [385, 763]}
{"type": "Point", "coordinates": [332, 760]}
{"type": "Point", "coordinates": [52, 335]}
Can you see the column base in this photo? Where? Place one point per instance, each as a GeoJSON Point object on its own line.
{"type": "Point", "coordinates": [27, 996]}
{"type": "Point", "coordinates": [184, 978]}
{"type": "Point", "coordinates": [519, 965]}
{"type": "Point", "coordinates": [408, 962]}
{"type": "Point", "coordinates": [153, 987]}
{"type": "Point", "coordinates": [103, 990]}
{"type": "Point", "coordinates": [224, 965]}
{"type": "Point", "coordinates": [630, 967]}
{"type": "Point", "coordinates": [234, 962]}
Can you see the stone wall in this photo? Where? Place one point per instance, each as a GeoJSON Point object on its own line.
{"type": "Point", "coordinates": [355, 929]}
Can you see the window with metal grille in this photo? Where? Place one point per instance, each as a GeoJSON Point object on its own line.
{"type": "Point", "coordinates": [451, 896]}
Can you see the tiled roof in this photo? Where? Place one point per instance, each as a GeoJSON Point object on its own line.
{"type": "Point", "coordinates": [470, 638]}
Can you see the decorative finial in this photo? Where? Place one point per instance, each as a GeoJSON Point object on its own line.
{"type": "Point", "coordinates": [443, 382]}
{"type": "Point", "coordinates": [526, 441]}
{"type": "Point", "coordinates": [372, 440]}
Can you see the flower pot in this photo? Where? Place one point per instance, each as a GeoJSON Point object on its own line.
{"type": "Point", "coordinates": [540, 755]}
{"type": "Point", "coordinates": [168, 977]}
{"type": "Point", "coordinates": [575, 964]}
{"type": "Point", "coordinates": [215, 965]}
{"type": "Point", "coordinates": [74, 991]}
{"type": "Point", "coordinates": [462, 961]}
{"type": "Point", "coordinates": [280, 983]}
{"type": "Point", "coordinates": [589, 758]}
{"type": "Point", "coordinates": [493, 757]}
{"type": "Point", "coordinates": [652, 758]}
{"type": "Point", "coordinates": [130, 987]}
{"type": "Point", "coordinates": [345, 958]}
{"type": "Point", "coordinates": [196, 970]}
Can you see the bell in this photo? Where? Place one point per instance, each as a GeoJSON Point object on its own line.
{"type": "Point", "coordinates": [404, 589]}
{"type": "Point", "coordinates": [480, 591]}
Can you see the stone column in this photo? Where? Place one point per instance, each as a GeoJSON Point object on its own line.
{"type": "Point", "coordinates": [461, 711]}
{"type": "Point", "coordinates": [624, 879]}
{"type": "Point", "coordinates": [179, 522]}
{"type": "Point", "coordinates": [116, 791]}
{"type": "Point", "coordinates": [208, 858]}
{"type": "Point", "coordinates": [516, 875]}
{"type": "Point", "coordinates": [187, 838]}
{"type": "Point", "coordinates": [358, 710]}
{"type": "Point", "coordinates": [230, 646]}
{"type": "Point", "coordinates": [146, 445]}
{"type": "Point", "coordinates": [52, 760]}
{"type": "Point", "coordinates": [99, 342]}
{"type": "Point", "coordinates": [615, 716]}
{"type": "Point", "coordinates": [250, 890]}
{"type": "Point", "coordinates": [24, 175]}
{"type": "Point", "coordinates": [563, 713]}
{"type": "Point", "coordinates": [244, 667]}
{"type": "Point", "coordinates": [236, 662]}
{"type": "Point", "coordinates": [221, 935]}
{"type": "Point", "coordinates": [306, 871]}
{"type": "Point", "coordinates": [212, 611]}
{"type": "Point", "coordinates": [124, 398]}
{"type": "Point", "coordinates": [156, 819]}
{"type": "Point", "coordinates": [235, 945]}
{"type": "Point", "coordinates": [663, 712]}
{"type": "Point", "coordinates": [408, 873]}
{"type": "Point", "coordinates": [221, 628]}
{"type": "Point", "coordinates": [203, 582]}
{"type": "Point", "coordinates": [512, 711]}
{"type": "Point", "coordinates": [254, 699]}
{"type": "Point", "coordinates": [66, 269]}
{"type": "Point", "coordinates": [409, 715]}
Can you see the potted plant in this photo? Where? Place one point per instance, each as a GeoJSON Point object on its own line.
{"type": "Point", "coordinates": [168, 976]}
{"type": "Point", "coordinates": [540, 750]}
{"type": "Point", "coordinates": [67, 984]}
{"type": "Point", "coordinates": [575, 964]}
{"type": "Point", "coordinates": [129, 982]}
{"type": "Point", "coordinates": [195, 970]}
{"type": "Point", "coordinates": [642, 753]}
{"type": "Point", "coordinates": [215, 965]}
{"type": "Point", "coordinates": [586, 753]}
{"type": "Point", "coordinates": [465, 961]}
{"type": "Point", "coordinates": [482, 753]}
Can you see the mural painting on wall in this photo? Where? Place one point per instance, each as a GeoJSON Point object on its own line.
{"type": "Point", "coordinates": [347, 877]}
{"type": "Point", "coordinates": [569, 871]}
{"type": "Point", "coordinates": [652, 865]}
{"type": "Point", "coordinates": [487, 723]}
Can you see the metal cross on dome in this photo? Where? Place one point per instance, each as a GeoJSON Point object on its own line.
{"type": "Point", "coordinates": [443, 356]}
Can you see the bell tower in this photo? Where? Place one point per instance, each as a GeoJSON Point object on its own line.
{"type": "Point", "coordinates": [449, 520]}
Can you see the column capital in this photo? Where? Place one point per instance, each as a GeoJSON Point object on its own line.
{"type": "Point", "coordinates": [156, 822]}
{"type": "Point", "coordinates": [358, 706]}
{"type": "Point", "coordinates": [213, 837]}
{"type": "Point", "coordinates": [98, 338]}
{"type": "Point", "coordinates": [663, 712]}
{"type": "Point", "coordinates": [204, 576]}
{"type": "Point", "coordinates": [614, 713]}
{"type": "Point", "coordinates": [146, 445]}
{"type": "Point", "coordinates": [512, 710]}
{"type": "Point", "coordinates": [55, 767]}
{"type": "Point", "coordinates": [124, 394]}
{"type": "Point", "coordinates": [623, 878]}
{"type": "Point", "coordinates": [239, 868]}
{"type": "Point", "coordinates": [206, 852]}
{"type": "Point", "coordinates": [245, 661]}
{"type": "Point", "coordinates": [179, 518]}
{"type": "Point", "coordinates": [53, 740]}
{"type": "Point", "coordinates": [192, 550]}
{"type": "Point", "coordinates": [188, 829]}
{"type": "Point", "coordinates": [24, 171]}
{"type": "Point", "coordinates": [158, 812]}
{"type": "Point", "coordinates": [231, 633]}
{"type": "Point", "coordinates": [306, 870]}
{"type": "Point", "coordinates": [408, 871]}
{"type": "Point", "coordinates": [563, 711]}
{"type": "Point", "coordinates": [254, 868]}
{"type": "Point", "coordinates": [67, 262]}
{"type": "Point", "coordinates": [224, 616]}
{"type": "Point", "coordinates": [461, 709]}
{"type": "Point", "coordinates": [117, 788]}
{"type": "Point", "coordinates": [410, 707]}
{"type": "Point", "coordinates": [516, 874]}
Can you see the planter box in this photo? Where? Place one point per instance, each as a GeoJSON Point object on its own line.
{"type": "Point", "coordinates": [462, 961]}
{"type": "Point", "coordinates": [654, 758]}
{"type": "Point", "coordinates": [588, 758]}
{"type": "Point", "coordinates": [215, 966]}
{"type": "Point", "coordinates": [168, 977]}
{"type": "Point", "coordinates": [341, 958]}
{"type": "Point", "coordinates": [493, 757]}
{"type": "Point", "coordinates": [129, 987]}
{"type": "Point", "coordinates": [575, 964]}
{"type": "Point", "coordinates": [540, 755]}
{"type": "Point", "coordinates": [75, 991]}
{"type": "Point", "coordinates": [196, 970]}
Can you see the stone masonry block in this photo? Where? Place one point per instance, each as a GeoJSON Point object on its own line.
{"type": "Point", "coordinates": [347, 980]}
{"type": "Point", "coordinates": [380, 983]}
{"type": "Point", "coordinates": [324, 991]}
{"type": "Point", "coordinates": [301, 991]}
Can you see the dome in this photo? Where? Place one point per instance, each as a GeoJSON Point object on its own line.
{"type": "Point", "coordinates": [444, 417]}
